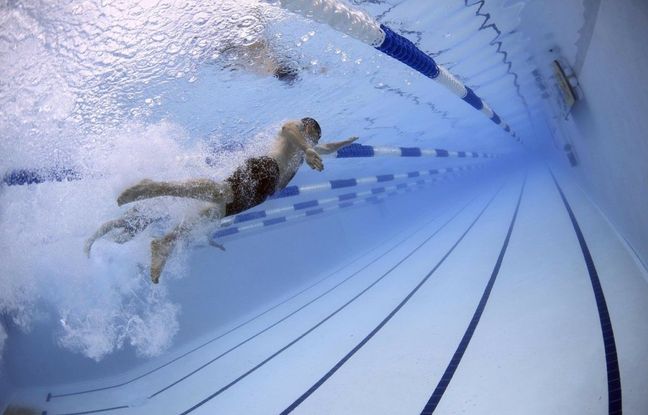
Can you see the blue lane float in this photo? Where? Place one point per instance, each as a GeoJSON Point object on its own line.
{"type": "Point", "coordinates": [318, 203]}
{"type": "Point", "coordinates": [315, 207]}
{"type": "Point", "coordinates": [359, 150]}
{"type": "Point", "coordinates": [358, 24]}
{"type": "Point", "coordinates": [291, 191]}
{"type": "Point", "coordinates": [22, 177]}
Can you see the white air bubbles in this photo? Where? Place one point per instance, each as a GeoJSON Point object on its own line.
{"type": "Point", "coordinates": [201, 18]}
{"type": "Point", "coordinates": [247, 21]}
{"type": "Point", "coordinates": [3, 337]}
{"type": "Point", "coordinates": [173, 48]}
{"type": "Point", "coordinates": [81, 83]}
{"type": "Point", "coordinates": [128, 44]}
{"type": "Point", "coordinates": [156, 100]}
{"type": "Point", "coordinates": [158, 37]}
{"type": "Point", "coordinates": [305, 38]}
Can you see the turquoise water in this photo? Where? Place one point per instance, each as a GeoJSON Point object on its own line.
{"type": "Point", "coordinates": [121, 91]}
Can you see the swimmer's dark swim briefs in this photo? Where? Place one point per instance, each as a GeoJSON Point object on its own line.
{"type": "Point", "coordinates": [252, 183]}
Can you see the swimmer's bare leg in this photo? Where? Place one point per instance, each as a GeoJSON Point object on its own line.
{"type": "Point", "coordinates": [201, 189]}
{"type": "Point", "coordinates": [162, 248]}
{"type": "Point", "coordinates": [131, 223]}
{"type": "Point", "coordinates": [103, 229]}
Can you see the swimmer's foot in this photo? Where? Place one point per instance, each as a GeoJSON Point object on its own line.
{"type": "Point", "coordinates": [160, 251]}
{"type": "Point", "coordinates": [141, 190]}
{"type": "Point", "coordinates": [87, 246]}
{"type": "Point", "coordinates": [216, 244]}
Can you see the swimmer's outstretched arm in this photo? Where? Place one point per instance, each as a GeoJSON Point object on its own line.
{"type": "Point", "coordinates": [334, 146]}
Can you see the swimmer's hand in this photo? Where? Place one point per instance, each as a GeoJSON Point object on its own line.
{"type": "Point", "coordinates": [314, 160]}
{"type": "Point", "coordinates": [350, 140]}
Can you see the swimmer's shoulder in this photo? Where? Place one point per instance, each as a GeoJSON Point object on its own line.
{"type": "Point", "coordinates": [290, 128]}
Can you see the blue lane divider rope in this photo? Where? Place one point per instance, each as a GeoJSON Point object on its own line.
{"type": "Point", "coordinates": [359, 150]}
{"type": "Point", "coordinates": [21, 177]}
{"type": "Point", "coordinates": [320, 206]}
{"type": "Point", "coordinates": [357, 23]}
{"type": "Point", "coordinates": [262, 214]}
{"type": "Point", "coordinates": [403, 50]}
{"type": "Point", "coordinates": [290, 191]}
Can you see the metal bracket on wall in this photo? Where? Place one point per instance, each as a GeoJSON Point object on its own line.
{"type": "Point", "coordinates": [567, 86]}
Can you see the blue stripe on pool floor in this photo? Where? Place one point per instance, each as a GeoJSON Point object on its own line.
{"type": "Point", "coordinates": [239, 344]}
{"type": "Point", "coordinates": [62, 395]}
{"type": "Point", "coordinates": [611, 358]}
{"type": "Point", "coordinates": [241, 377]}
{"type": "Point", "coordinates": [204, 344]}
{"type": "Point", "coordinates": [288, 316]}
{"type": "Point", "coordinates": [441, 387]}
{"type": "Point", "coordinates": [340, 363]}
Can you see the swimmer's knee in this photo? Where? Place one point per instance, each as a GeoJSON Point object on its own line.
{"type": "Point", "coordinates": [228, 194]}
{"type": "Point", "coordinates": [222, 193]}
{"type": "Point", "coordinates": [215, 212]}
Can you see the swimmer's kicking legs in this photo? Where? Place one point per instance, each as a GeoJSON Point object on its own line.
{"type": "Point", "coordinates": [161, 248]}
{"type": "Point", "coordinates": [124, 228]}
{"type": "Point", "coordinates": [218, 193]}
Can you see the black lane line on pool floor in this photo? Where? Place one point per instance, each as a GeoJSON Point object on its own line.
{"type": "Point", "coordinates": [63, 395]}
{"type": "Point", "coordinates": [335, 368]}
{"type": "Point", "coordinates": [302, 307]}
{"type": "Point", "coordinates": [441, 387]}
{"type": "Point", "coordinates": [611, 359]}
{"type": "Point", "coordinates": [224, 388]}
{"type": "Point", "coordinates": [410, 235]}
{"type": "Point", "coordinates": [308, 303]}
{"type": "Point", "coordinates": [96, 411]}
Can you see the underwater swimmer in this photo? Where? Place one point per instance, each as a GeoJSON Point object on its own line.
{"type": "Point", "coordinates": [261, 58]}
{"type": "Point", "coordinates": [248, 186]}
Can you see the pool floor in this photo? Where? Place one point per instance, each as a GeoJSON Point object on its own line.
{"type": "Point", "coordinates": [490, 307]}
